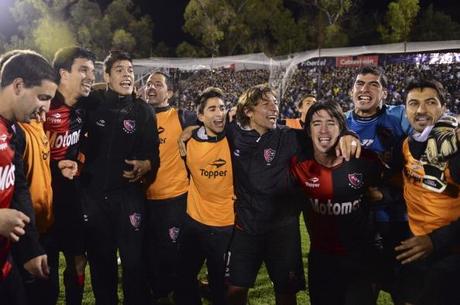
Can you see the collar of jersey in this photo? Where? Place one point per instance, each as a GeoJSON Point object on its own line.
{"type": "Point", "coordinates": [162, 109]}
{"type": "Point", "coordinates": [200, 135]}
{"type": "Point", "coordinates": [113, 96]}
{"type": "Point", "coordinates": [370, 118]}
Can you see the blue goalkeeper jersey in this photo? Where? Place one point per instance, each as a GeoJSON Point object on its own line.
{"type": "Point", "coordinates": [384, 133]}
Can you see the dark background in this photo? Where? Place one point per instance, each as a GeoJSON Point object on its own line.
{"type": "Point", "coordinates": [168, 19]}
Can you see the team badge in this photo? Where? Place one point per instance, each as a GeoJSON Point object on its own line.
{"type": "Point", "coordinates": [129, 126]}
{"type": "Point", "coordinates": [135, 219]}
{"type": "Point", "coordinates": [269, 155]}
{"type": "Point", "coordinates": [355, 180]}
{"type": "Point", "coordinates": [3, 143]}
{"type": "Point", "coordinates": [174, 233]}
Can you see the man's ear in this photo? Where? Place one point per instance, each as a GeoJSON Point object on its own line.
{"type": "Point", "coordinates": [170, 94]}
{"type": "Point", "coordinates": [385, 94]}
{"type": "Point", "coordinates": [200, 117]}
{"type": "Point", "coordinates": [248, 112]}
{"type": "Point", "coordinates": [63, 73]}
{"type": "Point", "coordinates": [106, 77]}
{"type": "Point", "coordinates": [18, 85]}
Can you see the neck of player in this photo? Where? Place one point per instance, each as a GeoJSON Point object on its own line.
{"type": "Point", "coordinates": [327, 159]}
{"type": "Point", "coordinates": [70, 98]}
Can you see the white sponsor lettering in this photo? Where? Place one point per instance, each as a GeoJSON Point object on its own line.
{"type": "Point", "coordinates": [312, 182]}
{"type": "Point", "coordinates": [335, 208]}
{"type": "Point", "coordinates": [6, 176]}
{"type": "Point", "coordinates": [65, 140]}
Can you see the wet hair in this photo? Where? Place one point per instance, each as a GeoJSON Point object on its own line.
{"type": "Point", "coordinates": [65, 57]}
{"type": "Point", "coordinates": [114, 56]}
{"type": "Point", "coordinates": [249, 99]}
{"type": "Point", "coordinates": [28, 65]}
{"type": "Point", "coordinates": [168, 80]}
{"type": "Point", "coordinates": [375, 70]}
{"type": "Point", "coordinates": [421, 83]}
{"type": "Point", "coordinates": [331, 107]}
{"type": "Point", "coordinates": [203, 98]}
{"type": "Point", "coordinates": [300, 103]}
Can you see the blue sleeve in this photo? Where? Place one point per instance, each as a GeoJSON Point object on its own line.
{"type": "Point", "coordinates": [405, 125]}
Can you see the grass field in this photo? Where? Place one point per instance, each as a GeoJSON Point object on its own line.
{"type": "Point", "coordinates": [261, 294]}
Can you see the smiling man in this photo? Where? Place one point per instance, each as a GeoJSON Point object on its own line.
{"type": "Point", "coordinates": [167, 195]}
{"type": "Point", "coordinates": [208, 227]}
{"type": "Point", "coordinates": [121, 148]}
{"type": "Point", "coordinates": [337, 212]}
{"type": "Point", "coordinates": [382, 128]}
{"type": "Point", "coordinates": [431, 258]}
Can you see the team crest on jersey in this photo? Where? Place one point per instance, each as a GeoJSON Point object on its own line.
{"type": "Point", "coordinates": [269, 155]}
{"type": "Point", "coordinates": [129, 126]}
{"type": "Point", "coordinates": [355, 180]}
{"type": "Point", "coordinates": [135, 219]}
{"type": "Point", "coordinates": [174, 233]}
{"type": "Point", "coordinates": [3, 144]}
{"type": "Point", "coordinates": [100, 123]}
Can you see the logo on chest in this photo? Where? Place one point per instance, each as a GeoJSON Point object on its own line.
{"type": "Point", "coordinates": [269, 155]}
{"type": "Point", "coordinates": [129, 126]}
{"type": "Point", "coordinates": [3, 143]}
{"type": "Point", "coordinates": [355, 180]}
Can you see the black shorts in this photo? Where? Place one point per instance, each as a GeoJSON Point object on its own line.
{"type": "Point", "coordinates": [279, 250]}
{"type": "Point", "coordinates": [430, 281]}
{"type": "Point", "coordinates": [337, 279]}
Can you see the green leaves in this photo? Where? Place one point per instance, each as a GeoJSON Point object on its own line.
{"type": "Point", "coordinates": [399, 20]}
{"type": "Point", "coordinates": [43, 28]}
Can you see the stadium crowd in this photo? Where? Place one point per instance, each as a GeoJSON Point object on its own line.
{"type": "Point", "coordinates": [325, 82]}
{"type": "Point", "coordinates": [103, 173]}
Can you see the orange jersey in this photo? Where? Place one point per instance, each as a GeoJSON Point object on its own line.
{"type": "Point", "coordinates": [294, 123]}
{"type": "Point", "coordinates": [427, 210]}
{"type": "Point", "coordinates": [210, 196]}
{"type": "Point", "coordinates": [38, 172]}
{"type": "Point", "coordinates": [171, 180]}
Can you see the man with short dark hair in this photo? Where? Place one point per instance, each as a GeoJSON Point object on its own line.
{"type": "Point", "coordinates": [208, 225]}
{"type": "Point", "coordinates": [28, 83]}
{"type": "Point", "coordinates": [431, 189]}
{"type": "Point", "coordinates": [167, 195]}
{"type": "Point", "coordinates": [381, 129]}
{"type": "Point", "coordinates": [75, 70]}
{"type": "Point", "coordinates": [121, 148]}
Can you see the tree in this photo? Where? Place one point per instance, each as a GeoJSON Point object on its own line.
{"type": "Point", "coordinates": [435, 25]}
{"type": "Point", "coordinates": [227, 27]}
{"type": "Point", "coordinates": [399, 20]}
{"type": "Point", "coordinates": [329, 16]}
{"type": "Point", "coordinates": [50, 25]}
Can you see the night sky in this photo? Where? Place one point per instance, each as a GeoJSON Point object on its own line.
{"type": "Point", "coordinates": [168, 19]}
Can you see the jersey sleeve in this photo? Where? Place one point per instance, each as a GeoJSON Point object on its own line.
{"type": "Point", "coordinates": [28, 245]}
{"type": "Point", "coordinates": [187, 118]}
{"type": "Point", "coordinates": [405, 125]}
{"type": "Point", "coordinates": [445, 237]}
{"type": "Point", "coordinates": [454, 167]}
{"type": "Point", "coordinates": [148, 143]}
